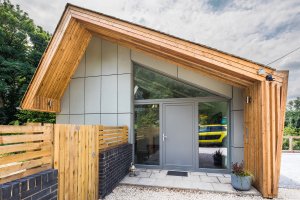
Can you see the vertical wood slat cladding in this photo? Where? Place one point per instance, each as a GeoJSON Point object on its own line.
{"type": "Point", "coordinates": [76, 150]}
{"type": "Point", "coordinates": [263, 132]}
{"type": "Point", "coordinates": [45, 60]}
{"type": "Point", "coordinates": [59, 71]}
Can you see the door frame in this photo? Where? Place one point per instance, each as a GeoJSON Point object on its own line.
{"type": "Point", "coordinates": [196, 101]}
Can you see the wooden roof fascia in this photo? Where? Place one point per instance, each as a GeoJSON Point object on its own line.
{"type": "Point", "coordinates": [27, 100]}
{"type": "Point", "coordinates": [187, 64]}
{"type": "Point", "coordinates": [169, 56]}
{"type": "Point", "coordinates": [192, 55]}
{"type": "Point", "coordinates": [81, 51]}
{"type": "Point", "coordinates": [180, 40]}
{"type": "Point", "coordinates": [178, 60]}
{"type": "Point", "coordinates": [69, 54]}
{"type": "Point", "coordinates": [208, 55]}
{"type": "Point", "coordinates": [46, 82]}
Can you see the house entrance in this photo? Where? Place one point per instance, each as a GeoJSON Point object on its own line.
{"type": "Point", "coordinates": [176, 125]}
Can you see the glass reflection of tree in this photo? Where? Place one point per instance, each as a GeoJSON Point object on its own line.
{"type": "Point", "coordinates": [147, 116]}
{"type": "Point", "coordinates": [153, 85]}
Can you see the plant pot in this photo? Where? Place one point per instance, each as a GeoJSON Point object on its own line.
{"type": "Point", "coordinates": [220, 162]}
{"type": "Point", "coordinates": [242, 183]}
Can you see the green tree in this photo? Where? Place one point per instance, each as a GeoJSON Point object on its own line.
{"type": "Point", "coordinates": [292, 117]}
{"type": "Point", "coordinates": [21, 46]}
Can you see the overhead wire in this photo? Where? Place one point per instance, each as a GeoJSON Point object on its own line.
{"type": "Point", "coordinates": [284, 56]}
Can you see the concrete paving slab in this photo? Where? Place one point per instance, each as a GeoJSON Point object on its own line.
{"type": "Point", "coordinates": [203, 186]}
{"type": "Point", "coordinates": [192, 178]}
{"type": "Point", "coordinates": [143, 174]}
{"type": "Point", "coordinates": [227, 175]}
{"type": "Point", "coordinates": [198, 173]}
{"type": "Point", "coordinates": [215, 174]}
{"type": "Point", "coordinates": [146, 181]}
{"type": "Point", "coordinates": [220, 187]}
{"type": "Point", "coordinates": [158, 175]}
{"type": "Point", "coordinates": [209, 179]}
{"type": "Point", "coordinates": [131, 180]}
{"type": "Point", "coordinates": [217, 183]}
{"type": "Point", "coordinates": [224, 180]}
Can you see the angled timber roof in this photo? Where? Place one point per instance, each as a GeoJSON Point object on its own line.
{"type": "Point", "coordinates": [72, 36]}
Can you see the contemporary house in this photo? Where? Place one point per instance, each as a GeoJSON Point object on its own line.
{"type": "Point", "coordinates": [187, 106]}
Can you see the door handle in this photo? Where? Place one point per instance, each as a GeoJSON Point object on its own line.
{"type": "Point", "coordinates": [164, 137]}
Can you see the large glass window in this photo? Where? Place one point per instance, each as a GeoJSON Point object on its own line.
{"type": "Point", "coordinates": [146, 130]}
{"type": "Point", "coordinates": [213, 135]}
{"type": "Point", "coordinates": [149, 84]}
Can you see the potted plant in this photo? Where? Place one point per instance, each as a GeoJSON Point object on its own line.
{"type": "Point", "coordinates": [218, 158]}
{"type": "Point", "coordinates": [240, 178]}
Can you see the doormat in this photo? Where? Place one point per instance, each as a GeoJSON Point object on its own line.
{"type": "Point", "coordinates": [177, 173]}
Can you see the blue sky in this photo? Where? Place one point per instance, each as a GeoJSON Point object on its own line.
{"type": "Point", "coordinates": [260, 30]}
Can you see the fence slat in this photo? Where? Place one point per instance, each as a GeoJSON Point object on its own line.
{"type": "Point", "coordinates": [111, 136]}
{"type": "Point", "coordinates": [22, 138]}
{"type": "Point", "coordinates": [19, 166]}
{"type": "Point", "coordinates": [6, 129]}
{"type": "Point", "coordinates": [24, 156]}
{"type": "Point", "coordinates": [23, 147]}
{"type": "Point", "coordinates": [25, 173]}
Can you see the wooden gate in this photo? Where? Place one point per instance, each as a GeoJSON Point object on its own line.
{"type": "Point", "coordinates": [76, 158]}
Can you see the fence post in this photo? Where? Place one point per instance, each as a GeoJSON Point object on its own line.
{"type": "Point", "coordinates": [50, 130]}
{"type": "Point", "coordinates": [290, 143]}
{"type": "Point", "coordinates": [125, 132]}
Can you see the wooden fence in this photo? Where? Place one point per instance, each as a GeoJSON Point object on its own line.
{"type": "Point", "coordinates": [76, 158]}
{"type": "Point", "coordinates": [72, 149]}
{"type": "Point", "coordinates": [24, 150]}
{"type": "Point", "coordinates": [290, 142]}
{"type": "Point", "coordinates": [111, 136]}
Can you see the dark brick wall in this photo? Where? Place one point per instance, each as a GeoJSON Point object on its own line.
{"type": "Point", "coordinates": [40, 186]}
{"type": "Point", "coordinates": [113, 167]}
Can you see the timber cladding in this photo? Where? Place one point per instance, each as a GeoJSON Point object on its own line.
{"type": "Point", "coordinates": [57, 66]}
{"type": "Point", "coordinates": [264, 124]}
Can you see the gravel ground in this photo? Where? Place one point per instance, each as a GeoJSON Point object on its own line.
{"type": "Point", "coordinates": [123, 192]}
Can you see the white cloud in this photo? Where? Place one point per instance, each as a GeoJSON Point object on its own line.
{"type": "Point", "coordinates": [258, 30]}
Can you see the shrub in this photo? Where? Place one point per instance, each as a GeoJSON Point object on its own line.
{"type": "Point", "coordinates": [238, 169]}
